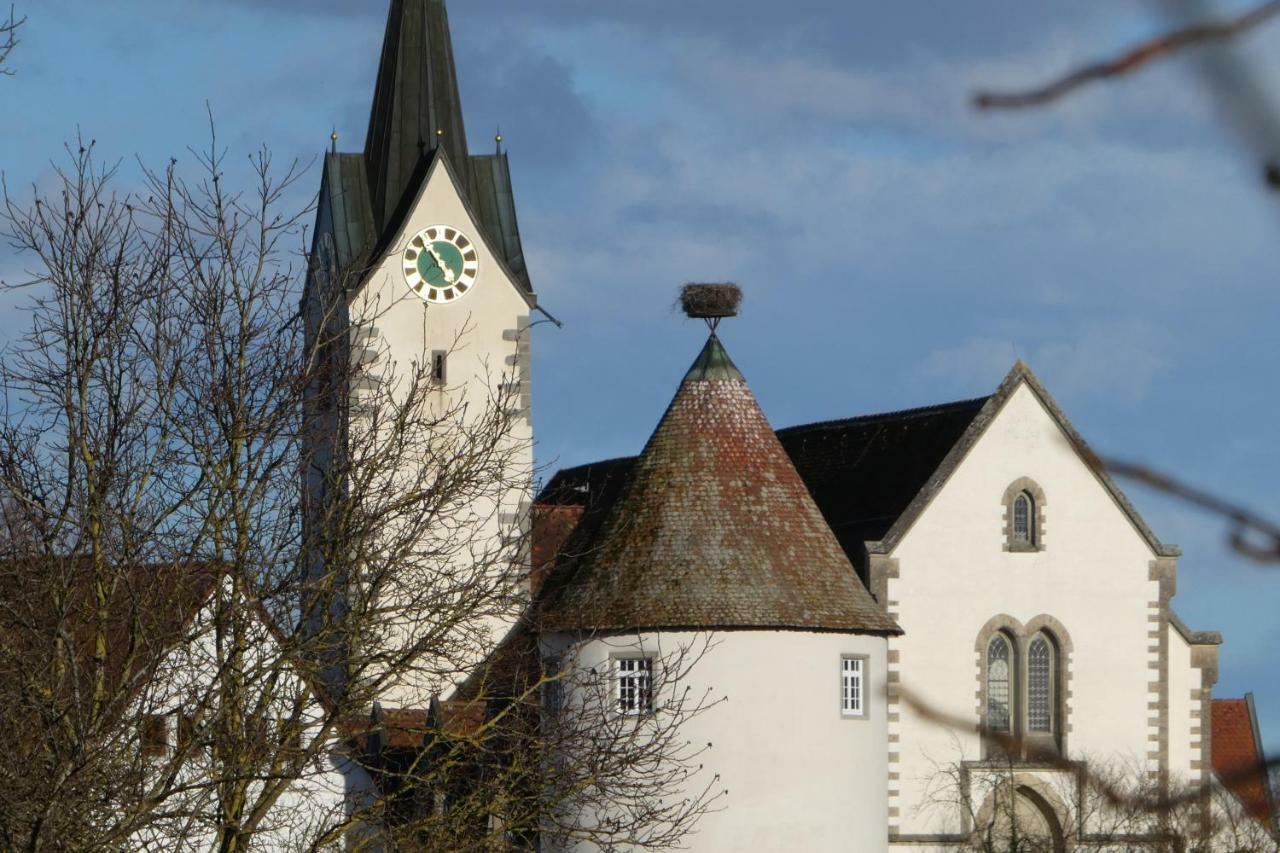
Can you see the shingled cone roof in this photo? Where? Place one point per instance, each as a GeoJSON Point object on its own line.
{"type": "Point", "coordinates": [715, 529]}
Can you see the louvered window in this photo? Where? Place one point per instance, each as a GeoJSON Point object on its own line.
{"type": "Point", "coordinates": [998, 684]}
{"type": "Point", "coordinates": [635, 686]}
{"type": "Point", "coordinates": [853, 700]}
{"type": "Point", "coordinates": [1040, 685]}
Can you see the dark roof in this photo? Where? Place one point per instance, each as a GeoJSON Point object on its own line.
{"type": "Point", "coordinates": [344, 207]}
{"type": "Point", "coordinates": [416, 117]}
{"type": "Point", "coordinates": [872, 476]}
{"type": "Point", "coordinates": [862, 472]}
{"type": "Point", "coordinates": [713, 529]}
{"type": "Point", "coordinates": [416, 107]}
{"type": "Point", "coordinates": [1237, 755]}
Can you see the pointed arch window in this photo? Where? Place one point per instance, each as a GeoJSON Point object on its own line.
{"type": "Point", "coordinates": [1040, 678]}
{"type": "Point", "coordinates": [999, 684]}
{"type": "Point", "coordinates": [1024, 516]}
{"type": "Point", "coordinates": [1021, 688]}
{"type": "Point", "coordinates": [1023, 533]}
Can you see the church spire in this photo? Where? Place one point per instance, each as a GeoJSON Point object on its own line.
{"type": "Point", "coordinates": [416, 107]}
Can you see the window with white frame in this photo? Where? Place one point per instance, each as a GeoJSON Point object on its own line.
{"type": "Point", "coordinates": [635, 685]}
{"type": "Point", "coordinates": [853, 686]}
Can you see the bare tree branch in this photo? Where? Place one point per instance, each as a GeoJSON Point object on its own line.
{"type": "Point", "coordinates": [1131, 60]}
{"type": "Point", "coordinates": [9, 38]}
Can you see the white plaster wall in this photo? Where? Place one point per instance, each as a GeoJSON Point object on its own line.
{"type": "Point", "coordinates": [799, 775]}
{"type": "Point", "coordinates": [954, 575]}
{"type": "Point", "coordinates": [487, 334]}
{"type": "Point", "coordinates": [313, 803]}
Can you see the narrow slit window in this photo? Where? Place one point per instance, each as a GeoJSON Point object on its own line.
{"type": "Point", "coordinates": [853, 687]}
{"type": "Point", "coordinates": [439, 366]}
{"type": "Point", "coordinates": [1040, 685]}
{"type": "Point", "coordinates": [998, 691]}
{"type": "Point", "coordinates": [635, 686]}
{"type": "Point", "coordinates": [1023, 533]}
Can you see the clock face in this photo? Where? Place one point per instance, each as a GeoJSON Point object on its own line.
{"type": "Point", "coordinates": [440, 264]}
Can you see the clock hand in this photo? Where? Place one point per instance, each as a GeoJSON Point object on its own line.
{"type": "Point", "coordinates": [444, 268]}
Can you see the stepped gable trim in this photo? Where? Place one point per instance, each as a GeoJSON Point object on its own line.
{"type": "Point", "coordinates": [1020, 375]}
{"type": "Point", "coordinates": [428, 166]}
{"type": "Point", "coordinates": [1194, 638]}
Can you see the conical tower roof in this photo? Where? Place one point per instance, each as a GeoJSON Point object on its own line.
{"type": "Point", "coordinates": [416, 107]}
{"type": "Point", "coordinates": [715, 530]}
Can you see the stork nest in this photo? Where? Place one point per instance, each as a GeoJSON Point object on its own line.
{"type": "Point", "coordinates": [710, 301]}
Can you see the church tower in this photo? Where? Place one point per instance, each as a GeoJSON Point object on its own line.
{"type": "Point", "coordinates": [418, 277]}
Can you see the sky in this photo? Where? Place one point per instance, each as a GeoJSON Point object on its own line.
{"type": "Point", "coordinates": [896, 248]}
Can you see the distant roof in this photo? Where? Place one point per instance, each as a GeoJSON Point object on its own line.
{"type": "Point", "coordinates": [862, 472]}
{"type": "Point", "coordinates": [713, 529]}
{"type": "Point", "coordinates": [416, 117]}
{"type": "Point", "coordinates": [1237, 755]}
{"type": "Point", "coordinates": [148, 611]}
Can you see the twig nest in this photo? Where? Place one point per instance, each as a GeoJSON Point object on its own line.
{"type": "Point", "coordinates": [710, 301]}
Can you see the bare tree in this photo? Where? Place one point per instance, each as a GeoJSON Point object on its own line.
{"type": "Point", "coordinates": [9, 38]}
{"type": "Point", "coordinates": [195, 636]}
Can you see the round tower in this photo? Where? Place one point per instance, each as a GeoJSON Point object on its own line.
{"type": "Point", "coordinates": [712, 576]}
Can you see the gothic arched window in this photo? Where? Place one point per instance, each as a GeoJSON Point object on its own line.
{"type": "Point", "coordinates": [999, 683]}
{"type": "Point", "coordinates": [1040, 682]}
{"type": "Point", "coordinates": [1023, 530]}
{"type": "Point", "coordinates": [1023, 516]}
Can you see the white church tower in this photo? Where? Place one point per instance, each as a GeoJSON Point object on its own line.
{"type": "Point", "coordinates": [418, 274]}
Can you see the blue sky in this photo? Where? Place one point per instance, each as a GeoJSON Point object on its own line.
{"type": "Point", "coordinates": [896, 248]}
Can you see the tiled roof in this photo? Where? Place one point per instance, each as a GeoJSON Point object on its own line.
{"type": "Point", "coordinates": [713, 529]}
{"type": "Point", "coordinates": [148, 612]}
{"type": "Point", "coordinates": [862, 472]}
{"type": "Point", "coordinates": [1237, 754]}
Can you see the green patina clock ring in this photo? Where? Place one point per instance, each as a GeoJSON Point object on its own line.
{"type": "Point", "coordinates": [440, 264]}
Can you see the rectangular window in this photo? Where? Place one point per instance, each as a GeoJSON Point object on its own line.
{"type": "Point", "coordinates": [439, 363]}
{"type": "Point", "coordinates": [155, 735]}
{"type": "Point", "coordinates": [853, 681]}
{"type": "Point", "coordinates": [635, 686]}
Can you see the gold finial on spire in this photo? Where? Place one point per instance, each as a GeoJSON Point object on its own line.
{"type": "Point", "coordinates": [333, 140]}
{"type": "Point", "coordinates": [439, 131]}
{"type": "Point", "coordinates": [497, 139]}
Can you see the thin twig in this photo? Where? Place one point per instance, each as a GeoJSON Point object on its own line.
{"type": "Point", "coordinates": [1131, 60]}
{"type": "Point", "coordinates": [1251, 534]}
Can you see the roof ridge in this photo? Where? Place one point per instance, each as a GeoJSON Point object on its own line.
{"type": "Point", "coordinates": [894, 413]}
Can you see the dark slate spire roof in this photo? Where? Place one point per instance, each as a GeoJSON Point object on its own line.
{"type": "Point", "coordinates": [714, 529]}
{"type": "Point", "coordinates": [416, 107]}
{"type": "Point", "coordinates": [416, 118]}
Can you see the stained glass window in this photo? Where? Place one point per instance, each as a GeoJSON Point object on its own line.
{"type": "Point", "coordinates": [1022, 519]}
{"type": "Point", "coordinates": [1040, 685]}
{"type": "Point", "coordinates": [998, 684]}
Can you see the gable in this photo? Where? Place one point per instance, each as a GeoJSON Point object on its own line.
{"type": "Point", "coordinates": [439, 200]}
{"type": "Point", "coordinates": [1030, 425]}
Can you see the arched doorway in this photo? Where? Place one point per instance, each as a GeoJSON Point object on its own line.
{"type": "Point", "coordinates": [1020, 820]}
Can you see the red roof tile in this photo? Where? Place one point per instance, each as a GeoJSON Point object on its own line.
{"type": "Point", "coordinates": [1236, 756]}
{"type": "Point", "coordinates": [715, 529]}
